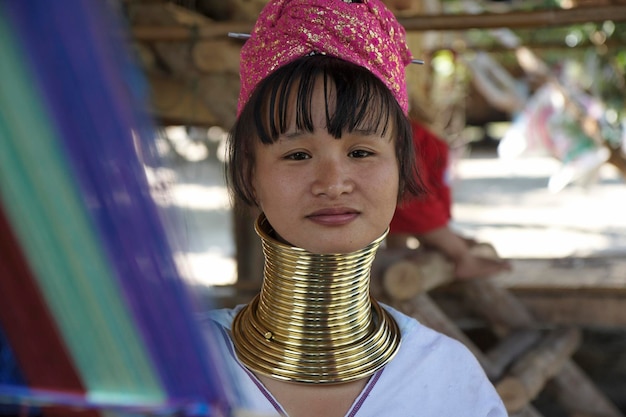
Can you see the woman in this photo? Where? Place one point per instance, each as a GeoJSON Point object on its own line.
{"type": "Point", "coordinates": [322, 146]}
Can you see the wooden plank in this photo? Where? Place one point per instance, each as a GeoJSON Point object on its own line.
{"type": "Point", "coordinates": [187, 101]}
{"type": "Point", "coordinates": [586, 308]}
{"type": "Point", "coordinates": [583, 291]}
{"type": "Point", "coordinates": [216, 56]}
{"type": "Point", "coordinates": [573, 387]}
{"type": "Point", "coordinates": [503, 311]}
{"type": "Point", "coordinates": [429, 314]}
{"type": "Point", "coordinates": [534, 19]}
{"type": "Point", "coordinates": [528, 411]}
{"type": "Point", "coordinates": [217, 30]}
{"type": "Point", "coordinates": [174, 102]}
{"type": "Point", "coordinates": [510, 348]}
{"type": "Point", "coordinates": [587, 292]}
{"type": "Point", "coordinates": [596, 273]}
{"type": "Point", "coordinates": [579, 397]}
{"type": "Point", "coordinates": [430, 22]}
{"type": "Point", "coordinates": [418, 272]}
{"type": "Point", "coordinates": [249, 256]}
{"type": "Point", "coordinates": [528, 376]}
{"type": "Point", "coordinates": [591, 308]}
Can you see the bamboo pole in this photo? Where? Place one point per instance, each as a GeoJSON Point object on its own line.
{"type": "Point", "coordinates": [407, 278]}
{"type": "Point", "coordinates": [430, 22]}
{"type": "Point", "coordinates": [528, 411]}
{"type": "Point", "coordinates": [428, 313]}
{"type": "Point", "coordinates": [575, 390]}
{"type": "Point", "coordinates": [511, 348]}
{"type": "Point", "coordinates": [528, 376]}
{"type": "Point", "coordinates": [532, 19]}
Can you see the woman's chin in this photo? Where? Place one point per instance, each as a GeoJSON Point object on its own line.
{"type": "Point", "coordinates": [333, 240]}
{"type": "Point", "coordinates": [336, 247]}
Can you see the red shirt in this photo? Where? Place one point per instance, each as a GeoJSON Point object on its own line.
{"type": "Point", "coordinates": [432, 210]}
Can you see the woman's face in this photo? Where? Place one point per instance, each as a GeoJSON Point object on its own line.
{"type": "Point", "coordinates": [323, 194]}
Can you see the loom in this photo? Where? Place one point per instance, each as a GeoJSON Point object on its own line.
{"type": "Point", "coordinates": [95, 318]}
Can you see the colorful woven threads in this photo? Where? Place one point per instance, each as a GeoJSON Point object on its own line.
{"type": "Point", "coordinates": [75, 195]}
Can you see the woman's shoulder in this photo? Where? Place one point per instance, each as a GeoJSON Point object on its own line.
{"type": "Point", "coordinates": [434, 368]}
{"type": "Point", "coordinates": [433, 346]}
{"type": "Point", "coordinates": [222, 317]}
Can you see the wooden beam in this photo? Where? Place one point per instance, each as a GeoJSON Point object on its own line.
{"type": "Point", "coordinates": [216, 56]}
{"type": "Point", "coordinates": [528, 376]}
{"type": "Point", "coordinates": [591, 273]}
{"type": "Point", "coordinates": [576, 307]}
{"type": "Point", "coordinates": [575, 389]}
{"type": "Point", "coordinates": [174, 102]}
{"type": "Point", "coordinates": [429, 314]}
{"type": "Point", "coordinates": [584, 307]}
{"type": "Point", "coordinates": [510, 348]}
{"type": "Point", "coordinates": [419, 272]}
{"type": "Point", "coordinates": [528, 411]}
{"type": "Point", "coordinates": [442, 22]}
{"type": "Point", "coordinates": [511, 20]}
{"type": "Point", "coordinates": [534, 45]}
{"type": "Point", "coordinates": [188, 33]}
{"type": "Point", "coordinates": [578, 397]}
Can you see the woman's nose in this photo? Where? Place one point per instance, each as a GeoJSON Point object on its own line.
{"type": "Point", "coordinates": [332, 179]}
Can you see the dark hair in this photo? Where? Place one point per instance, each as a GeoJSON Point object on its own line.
{"type": "Point", "coordinates": [361, 101]}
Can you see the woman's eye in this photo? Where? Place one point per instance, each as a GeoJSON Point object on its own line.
{"type": "Point", "coordinates": [298, 156]}
{"type": "Point", "coordinates": [360, 153]}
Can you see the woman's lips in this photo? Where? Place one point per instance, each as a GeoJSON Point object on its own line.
{"type": "Point", "coordinates": [333, 217]}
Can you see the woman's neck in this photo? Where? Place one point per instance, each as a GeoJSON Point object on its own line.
{"type": "Point", "coordinates": [314, 320]}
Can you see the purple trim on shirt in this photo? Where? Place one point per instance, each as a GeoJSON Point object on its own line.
{"type": "Point", "coordinates": [267, 394]}
{"type": "Point", "coordinates": [255, 380]}
{"type": "Point", "coordinates": [229, 343]}
{"type": "Point", "coordinates": [365, 393]}
{"type": "Point", "coordinates": [357, 406]}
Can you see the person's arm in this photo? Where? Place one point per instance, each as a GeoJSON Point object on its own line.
{"type": "Point", "coordinates": [446, 241]}
{"type": "Point", "coordinates": [457, 249]}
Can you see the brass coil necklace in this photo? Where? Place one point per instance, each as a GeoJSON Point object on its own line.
{"type": "Point", "coordinates": [314, 320]}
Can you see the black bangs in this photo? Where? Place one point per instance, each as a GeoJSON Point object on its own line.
{"type": "Point", "coordinates": [355, 100]}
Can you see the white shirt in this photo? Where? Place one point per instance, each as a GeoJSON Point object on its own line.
{"type": "Point", "coordinates": [432, 375]}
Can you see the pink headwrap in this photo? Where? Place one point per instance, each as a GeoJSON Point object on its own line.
{"type": "Point", "coordinates": [366, 34]}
